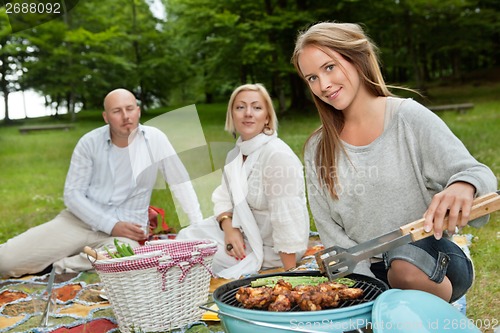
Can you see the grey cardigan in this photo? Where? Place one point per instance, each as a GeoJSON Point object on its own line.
{"type": "Point", "coordinates": [391, 181]}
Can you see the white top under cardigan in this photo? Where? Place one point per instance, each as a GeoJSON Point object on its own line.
{"type": "Point", "coordinates": [276, 196]}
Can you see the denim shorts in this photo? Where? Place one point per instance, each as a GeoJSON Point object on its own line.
{"type": "Point", "coordinates": [437, 259]}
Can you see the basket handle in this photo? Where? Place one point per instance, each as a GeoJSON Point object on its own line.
{"type": "Point", "coordinates": [93, 253]}
{"type": "Point", "coordinates": [205, 245]}
{"type": "Point", "coordinates": [203, 249]}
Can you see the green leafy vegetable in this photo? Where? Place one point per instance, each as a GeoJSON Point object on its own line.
{"type": "Point", "coordinates": [122, 250]}
{"type": "Point", "coordinates": [293, 280]}
{"type": "Point", "coordinates": [348, 282]}
{"type": "Point", "coordinates": [298, 280]}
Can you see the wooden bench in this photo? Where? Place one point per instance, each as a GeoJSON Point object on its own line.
{"type": "Point", "coordinates": [27, 129]}
{"type": "Point", "coordinates": [461, 108]}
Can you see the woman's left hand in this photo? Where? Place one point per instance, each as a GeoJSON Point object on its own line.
{"type": "Point", "coordinates": [235, 244]}
{"type": "Point", "coordinates": [456, 201]}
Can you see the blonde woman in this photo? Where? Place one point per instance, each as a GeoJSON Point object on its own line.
{"type": "Point", "coordinates": [260, 212]}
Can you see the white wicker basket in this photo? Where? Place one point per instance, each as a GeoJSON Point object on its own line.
{"type": "Point", "coordinates": [161, 287]}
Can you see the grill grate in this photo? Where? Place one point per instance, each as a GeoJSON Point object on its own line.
{"type": "Point", "coordinates": [370, 292]}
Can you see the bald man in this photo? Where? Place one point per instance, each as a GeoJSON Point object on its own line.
{"type": "Point", "coordinates": [107, 192]}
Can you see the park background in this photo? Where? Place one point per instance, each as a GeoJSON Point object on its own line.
{"type": "Point", "coordinates": [196, 51]}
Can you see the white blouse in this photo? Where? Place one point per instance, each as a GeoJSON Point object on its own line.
{"type": "Point", "coordinates": [276, 196]}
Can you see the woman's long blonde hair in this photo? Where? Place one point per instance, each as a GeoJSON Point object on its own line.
{"type": "Point", "coordinates": [350, 41]}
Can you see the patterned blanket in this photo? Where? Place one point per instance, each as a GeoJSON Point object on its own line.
{"type": "Point", "coordinates": [77, 302]}
{"type": "Point", "coordinates": [80, 306]}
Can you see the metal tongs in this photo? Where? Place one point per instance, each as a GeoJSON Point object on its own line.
{"type": "Point", "coordinates": [337, 262]}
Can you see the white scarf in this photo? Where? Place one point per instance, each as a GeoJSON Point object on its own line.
{"type": "Point", "coordinates": [236, 178]}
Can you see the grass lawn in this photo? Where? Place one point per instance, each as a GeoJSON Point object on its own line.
{"type": "Point", "coordinates": [33, 169]}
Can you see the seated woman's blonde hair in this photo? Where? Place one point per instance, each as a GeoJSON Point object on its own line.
{"type": "Point", "coordinates": [273, 120]}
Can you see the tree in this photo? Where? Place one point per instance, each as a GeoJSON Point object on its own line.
{"type": "Point", "coordinates": [237, 42]}
{"type": "Point", "coordinates": [206, 47]}
{"type": "Point", "coordinates": [13, 48]}
{"type": "Point", "coordinates": [96, 47]}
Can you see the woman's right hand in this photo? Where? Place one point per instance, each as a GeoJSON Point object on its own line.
{"type": "Point", "coordinates": [234, 237]}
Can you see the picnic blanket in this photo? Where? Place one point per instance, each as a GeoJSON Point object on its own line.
{"type": "Point", "coordinates": [80, 306]}
{"type": "Point", "coordinates": [77, 302]}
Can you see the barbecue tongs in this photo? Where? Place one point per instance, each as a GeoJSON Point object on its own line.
{"type": "Point", "coordinates": [337, 262]}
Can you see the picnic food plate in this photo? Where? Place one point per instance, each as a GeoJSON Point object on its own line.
{"type": "Point", "coordinates": [210, 315]}
{"type": "Point", "coordinates": [102, 294]}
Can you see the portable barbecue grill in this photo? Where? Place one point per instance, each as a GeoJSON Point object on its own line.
{"type": "Point", "coordinates": [350, 315]}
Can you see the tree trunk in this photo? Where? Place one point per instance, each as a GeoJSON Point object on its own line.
{"type": "Point", "coordinates": [4, 85]}
{"type": "Point", "coordinates": [278, 91]}
{"type": "Point", "coordinates": [277, 82]}
{"type": "Point", "coordinates": [7, 119]}
{"type": "Point", "coordinates": [425, 63]}
{"type": "Point", "coordinates": [299, 100]}
{"type": "Point", "coordinates": [282, 100]}
{"type": "Point", "coordinates": [412, 46]}
{"type": "Point", "coordinates": [142, 94]}
{"type": "Point", "coordinates": [456, 66]}
{"type": "Point", "coordinates": [70, 96]}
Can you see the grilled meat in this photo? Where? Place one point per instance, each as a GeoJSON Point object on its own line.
{"type": "Point", "coordinates": [282, 287]}
{"type": "Point", "coordinates": [281, 303]}
{"type": "Point", "coordinates": [282, 297]}
{"type": "Point", "coordinates": [310, 301]}
{"type": "Point", "coordinates": [350, 293]}
{"type": "Point", "coordinates": [331, 299]}
{"type": "Point", "coordinates": [255, 298]}
{"type": "Point", "coordinates": [331, 286]}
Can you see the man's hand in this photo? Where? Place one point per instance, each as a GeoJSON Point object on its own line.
{"type": "Point", "coordinates": [456, 201]}
{"type": "Point", "coordinates": [129, 230]}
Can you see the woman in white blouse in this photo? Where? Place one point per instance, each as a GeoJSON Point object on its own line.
{"type": "Point", "coordinates": [260, 212]}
